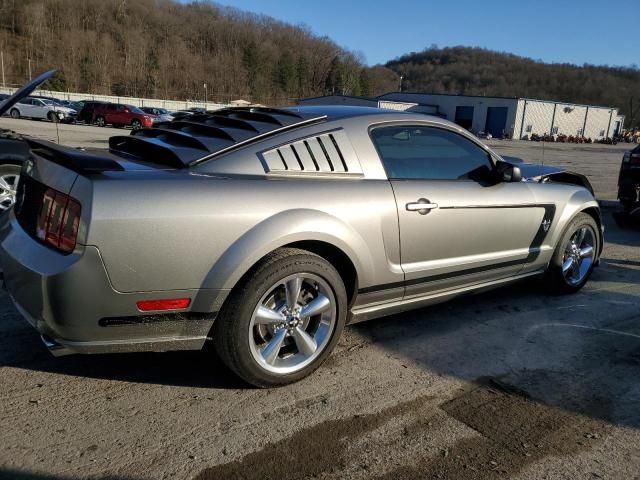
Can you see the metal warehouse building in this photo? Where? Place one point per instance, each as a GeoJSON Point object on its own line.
{"type": "Point", "coordinates": [500, 116]}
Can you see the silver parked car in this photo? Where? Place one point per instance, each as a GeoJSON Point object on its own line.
{"type": "Point", "coordinates": [43, 109]}
{"type": "Point", "coordinates": [161, 114]}
{"type": "Point", "coordinates": [266, 230]}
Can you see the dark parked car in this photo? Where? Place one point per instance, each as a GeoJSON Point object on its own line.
{"type": "Point", "coordinates": [87, 107]}
{"type": "Point", "coordinates": [120, 115]}
{"type": "Point", "coordinates": [629, 179]}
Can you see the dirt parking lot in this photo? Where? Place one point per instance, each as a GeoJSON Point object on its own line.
{"type": "Point", "coordinates": [508, 384]}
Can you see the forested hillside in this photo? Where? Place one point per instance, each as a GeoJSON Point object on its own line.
{"type": "Point", "coordinates": [475, 71]}
{"type": "Point", "coordinates": [166, 49]}
{"type": "Point", "coordinates": [161, 48]}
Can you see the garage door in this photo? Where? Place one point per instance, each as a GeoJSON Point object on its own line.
{"type": "Point", "coordinates": [496, 121]}
{"type": "Point", "coordinates": [464, 117]}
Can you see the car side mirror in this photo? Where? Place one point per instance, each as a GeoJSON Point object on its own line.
{"type": "Point", "coordinates": [508, 172]}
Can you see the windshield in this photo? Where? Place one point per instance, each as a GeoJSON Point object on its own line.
{"type": "Point", "coordinates": [47, 102]}
{"type": "Point", "coordinates": [133, 109]}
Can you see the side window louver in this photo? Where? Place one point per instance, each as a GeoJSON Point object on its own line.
{"type": "Point", "coordinates": [321, 154]}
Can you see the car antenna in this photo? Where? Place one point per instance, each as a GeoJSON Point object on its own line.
{"type": "Point", "coordinates": [543, 142]}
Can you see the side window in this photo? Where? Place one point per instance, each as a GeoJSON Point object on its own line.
{"type": "Point", "coordinates": [429, 153]}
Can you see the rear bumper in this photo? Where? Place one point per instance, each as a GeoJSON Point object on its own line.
{"type": "Point", "coordinates": [70, 301]}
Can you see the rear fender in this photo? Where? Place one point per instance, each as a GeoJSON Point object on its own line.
{"type": "Point", "coordinates": [282, 229]}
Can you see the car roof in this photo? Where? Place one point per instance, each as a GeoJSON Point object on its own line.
{"type": "Point", "coordinates": [202, 136]}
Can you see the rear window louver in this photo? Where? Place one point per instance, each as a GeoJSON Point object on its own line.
{"type": "Point", "coordinates": [203, 136]}
{"type": "Point", "coordinates": [329, 153]}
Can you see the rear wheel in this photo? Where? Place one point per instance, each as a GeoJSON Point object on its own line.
{"type": "Point", "coordinates": [15, 113]}
{"type": "Point", "coordinates": [100, 121]}
{"type": "Point", "coordinates": [136, 125]}
{"type": "Point", "coordinates": [283, 319]}
{"type": "Point", "coordinates": [9, 176]}
{"type": "Point", "coordinates": [52, 117]}
{"type": "Point", "coordinates": [575, 255]}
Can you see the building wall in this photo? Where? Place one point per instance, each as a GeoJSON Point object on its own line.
{"type": "Point", "coordinates": [568, 118]}
{"type": "Point", "coordinates": [538, 116]}
{"type": "Point", "coordinates": [598, 120]}
{"type": "Point", "coordinates": [447, 106]}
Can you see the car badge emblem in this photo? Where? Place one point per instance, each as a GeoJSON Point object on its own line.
{"type": "Point", "coordinates": [546, 223]}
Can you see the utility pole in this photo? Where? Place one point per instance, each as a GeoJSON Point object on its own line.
{"type": "Point", "coordinates": [29, 69]}
{"type": "Point", "coordinates": [205, 95]}
{"type": "Point", "coordinates": [2, 62]}
{"type": "Point", "coordinates": [401, 77]}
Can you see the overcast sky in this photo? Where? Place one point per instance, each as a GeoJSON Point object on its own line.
{"type": "Point", "coordinates": [554, 31]}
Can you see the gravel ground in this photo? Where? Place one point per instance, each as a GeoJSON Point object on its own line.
{"type": "Point", "coordinates": [507, 384]}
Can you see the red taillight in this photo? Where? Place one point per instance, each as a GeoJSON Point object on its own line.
{"type": "Point", "coordinates": [58, 221]}
{"type": "Point", "coordinates": [166, 304]}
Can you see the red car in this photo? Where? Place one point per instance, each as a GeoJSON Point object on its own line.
{"type": "Point", "coordinates": [120, 115]}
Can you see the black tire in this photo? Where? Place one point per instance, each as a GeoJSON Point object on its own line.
{"type": "Point", "coordinates": [15, 113]}
{"type": "Point", "coordinates": [100, 121]}
{"type": "Point", "coordinates": [136, 124]}
{"type": "Point", "coordinates": [557, 283]}
{"type": "Point", "coordinates": [52, 117]}
{"type": "Point", "coordinates": [627, 205]}
{"type": "Point", "coordinates": [231, 330]}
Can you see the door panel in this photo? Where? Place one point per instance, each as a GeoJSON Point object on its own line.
{"type": "Point", "coordinates": [460, 224]}
{"type": "Point", "coordinates": [475, 233]}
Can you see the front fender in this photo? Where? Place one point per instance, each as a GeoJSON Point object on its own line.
{"type": "Point", "coordinates": [282, 229]}
{"type": "Point", "coordinates": [579, 201]}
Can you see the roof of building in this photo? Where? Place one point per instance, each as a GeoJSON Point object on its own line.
{"type": "Point", "coordinates": [388, 94]}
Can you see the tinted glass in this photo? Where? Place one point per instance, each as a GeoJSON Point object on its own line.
{"type": "Point", "coordinates": [133, 109]}
{"type": "Point", "coordinates": [417, 152]}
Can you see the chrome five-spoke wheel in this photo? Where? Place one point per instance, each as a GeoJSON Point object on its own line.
{"type": "Point", "coordinates": [283, 319]}
{"type": "Point", "coordinates": [292, 323]}
{"type": "Point", "coordinates": [8, 187]}
{"type": "Point", "coordinates": [578, 255]}
{"type": "Point", "coordinates": [575, 255]}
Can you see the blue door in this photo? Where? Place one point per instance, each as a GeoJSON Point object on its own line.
{"type": "Point", "coordinates": [496, 121]}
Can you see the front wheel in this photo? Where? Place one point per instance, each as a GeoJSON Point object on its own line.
{"type": "Point", "coordinates": [283, 319]}
{"type": "Point", "coordinates": [136, 125]}
{"type": "Point", "coordinates": [100, 121]}
{"type": "Point", "coordinates": [15, 113]}
{"type": "Point", "coordinates": [53, 117]}
{"type": "Point", "coordinates": [575, 255]}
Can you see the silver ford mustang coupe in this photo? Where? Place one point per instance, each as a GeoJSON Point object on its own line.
{"type": "Point", "coordinates": [265, 231]}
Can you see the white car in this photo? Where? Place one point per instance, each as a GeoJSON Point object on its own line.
{"type": "Point", "coordinates": [42, 108]}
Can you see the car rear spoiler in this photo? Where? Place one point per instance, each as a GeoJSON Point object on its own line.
{"type": "Point", "coordinates": [79, 161]}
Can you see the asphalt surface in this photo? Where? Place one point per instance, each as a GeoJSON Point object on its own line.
{"type": "Point", "coordinates": [512, 383]}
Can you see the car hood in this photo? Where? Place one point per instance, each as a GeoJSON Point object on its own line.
{"type": "Point", "coordinates": [25, 91]}
{"type": "Point", "coordinates": [65, 109]}
{"type": "Point", "coordinates": [531, 171]}
{"type": "Point", "coordinates": [551, 174]}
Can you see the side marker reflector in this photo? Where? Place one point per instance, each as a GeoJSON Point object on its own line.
{"type": "Point", "coordinates": [165, 304]}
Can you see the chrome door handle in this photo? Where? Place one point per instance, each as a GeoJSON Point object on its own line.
{"type": "Point", "coordinates": [422, 206]}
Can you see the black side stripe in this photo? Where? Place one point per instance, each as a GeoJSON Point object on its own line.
{"type": "Point", "coordinates": [534, 253]}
